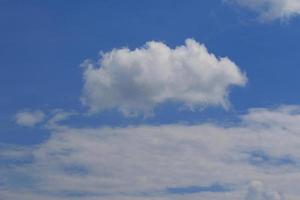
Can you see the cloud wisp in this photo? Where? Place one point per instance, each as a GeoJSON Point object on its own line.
{"type": "Point", "coordinates": [257, 191]}
{"type": "Point", "coordinates": [253, 160]}
{"type": "Point", "coordinates": [29, 118]}
{"type": "Point", "coordinates": [270, 10]}
{"type": "Point", "coordinates": [135, 81]}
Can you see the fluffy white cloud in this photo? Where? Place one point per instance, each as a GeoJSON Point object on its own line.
{"type": "Point", "coordinates": [135, 81]}
{"type": "Point", "coordinates": [144, 162]}
{"type": "Point", "coordinates": [271, 9]}
{"type": "Point", "coordinates": [29, 119]}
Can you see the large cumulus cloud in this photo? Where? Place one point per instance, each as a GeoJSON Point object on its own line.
{"type": "Point", "coordinates": [135, 81]}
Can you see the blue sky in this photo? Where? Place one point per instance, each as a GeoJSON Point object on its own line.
{"type": "Point", "coordinates": [45, 43]}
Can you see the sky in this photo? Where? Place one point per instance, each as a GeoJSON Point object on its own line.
{"type": "Point", "coordinates": [149, 100]}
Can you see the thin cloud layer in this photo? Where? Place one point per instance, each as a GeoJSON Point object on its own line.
{"type": "Point", "coordinates": [135, 81]}
{"type": "Point", "coordinates": [203, 162]}
{"type": "Point", "coordinates": [269, 10]}
{"type": "Point", "coordinates": [29, 118]}
{"type": "Point", "coordinates": [257, 191]}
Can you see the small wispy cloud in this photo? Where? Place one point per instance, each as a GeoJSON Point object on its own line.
{"type": "Point", "coordinates": [29, 118]}
{"type": "Point", "coordinates": [258, 191]}
{"type": "Point", "coordinates": [269, 10]}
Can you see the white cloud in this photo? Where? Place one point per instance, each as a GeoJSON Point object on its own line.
{"type": "Point", "coordinates": [30, 118]}
{"type": "Point", "coordinates": [269, 10]}
{"type": "Point", "coordinates": [135, 81]}
{"type": "Point", "coordinates": [143, 162]}
{"type": "Point", "coordinates": [57, 117]}
{"type": "Point", "coordinates": [257, 191]}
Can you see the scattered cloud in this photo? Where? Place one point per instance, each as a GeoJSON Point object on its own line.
{"type": "Point", "coordinates": [135, 81]}
{"type": "Point", "coordinates": [57, 117]}
{"type": "Point", "coordinates": [269, 10]}
{"type": "Point", "coordinates": [29, 118]}
{"type": "Point", "coordinates": [145, 162]}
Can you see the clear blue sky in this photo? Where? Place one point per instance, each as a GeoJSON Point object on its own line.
{"type": "Point", "coordinates": [44, 42]}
